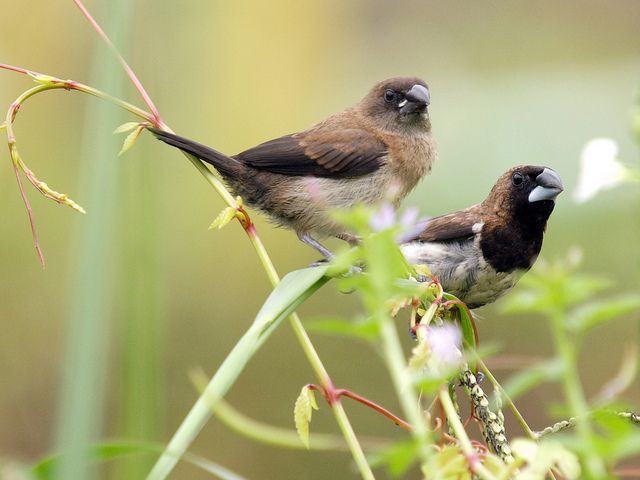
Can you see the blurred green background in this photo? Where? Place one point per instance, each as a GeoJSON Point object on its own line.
{"type": "Point", "coordinates": [511, 83]}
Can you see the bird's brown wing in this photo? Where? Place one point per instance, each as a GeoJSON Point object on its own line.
{"type": "Point", "coordinates": [338, 154]}
{"type": "Point", "coordinates": [455, 226]}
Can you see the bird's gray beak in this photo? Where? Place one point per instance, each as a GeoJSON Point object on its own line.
{"type": "Point", "coordinates": [416, 100]}
{"type": "Point", "coordinates": [549, 186]}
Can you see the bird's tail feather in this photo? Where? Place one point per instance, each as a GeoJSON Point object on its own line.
{"type": "Point", "coordinates": [227, 166]}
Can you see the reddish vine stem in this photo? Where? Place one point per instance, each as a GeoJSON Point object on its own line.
{"type": "Point", "coordinates": [333, 395]}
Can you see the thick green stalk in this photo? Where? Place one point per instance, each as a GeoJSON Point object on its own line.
{"type": "Point", "coordinates": [141, 317]}
{"type": "Point", "coordinates": [403, 384]}
{"type": "Point", "coordinates": [579, 408]}
{"type": "Point", "coordinates": [306, 344]}
{"type": "Point", "coordinates": [80, 407]}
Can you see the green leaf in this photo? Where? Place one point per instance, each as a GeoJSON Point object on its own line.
{"type": "Point", "coordinates": [526, 301]}
{"type": "Point", "coordinates": [451, 463]}
{"type": "Point", "coordinates": [429, 381]}
{"type": "Point", "coordinates": [130, 140]}
{"type": "Point", "coordinates": [620, 438]}
{"type": "Point", "coordinates": [578, 288]}
{"type": "Point", "coordinates": [126, 127]}
{"type": "Point", "coordinates": [302, 411]}
{"type": "Point", "coordinates": [466, 322]}
{"type": "Point", "coordinates": [541, 456]}
{"type": "Point", "coordinates": [530, 378]}
{"type": "Point", "coordinates": [398, 459]}
{"type": "Point", "coordinates": [45, 469]}
{"type": "Point", "coordinates": [223, 218]}
{"type": "Point", "coordinates": [292, 291]}
{"type": "Point", "coordinates": [593, 314]}
{"type": "Point", "coordinates": [363, 330]}
{"type": "Point", "coordinates": [42, 78]}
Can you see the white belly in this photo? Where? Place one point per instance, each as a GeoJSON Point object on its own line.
{"type": "Point", "coordinates": [462, 271]}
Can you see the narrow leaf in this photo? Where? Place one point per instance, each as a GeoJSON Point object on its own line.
{"type": "Point", "coordinates": [302, 411]}
{"type": "Point", "coordinates": [364, 330]}
{"type": "Point", "coordinates": [594, 314]}
{"type": "Point", "coordinates": [131, 139]}
{"type": "Point", "coordinates": [45, 468]}
{"type": "Point", "coordinates": [293, 290]}
{"type": "Point", "coordinates": [126, 127]}
{"type": "Point", "coordinates": [223, 218]}
{"type": "Point", "coordinates": [42, 78]}
{"type": "Point", "coordinates": [466, 323]}
{"type": "Point", "coordinates": [524, 381]}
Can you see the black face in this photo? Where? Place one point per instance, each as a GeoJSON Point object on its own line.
{"type": "Point", "coordinates": [518, 208]}
{"type": "Point", "coordinates": [533, 191]}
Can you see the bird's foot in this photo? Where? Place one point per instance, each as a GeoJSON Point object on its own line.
{"type": "Point", "coordinates": [319, 263]}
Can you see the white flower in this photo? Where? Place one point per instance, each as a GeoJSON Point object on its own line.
{"type": "Point", "coordinates": [385, 217]}
{"type": "Point", "coordinates": [599, 169]}
{"type": "Point", "coordinates": [445, 343]}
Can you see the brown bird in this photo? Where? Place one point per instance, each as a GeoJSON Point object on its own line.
{"type": "Point", "coordinates": [374, 151]}
{"type": "Point", "coordinates": [479, 253]}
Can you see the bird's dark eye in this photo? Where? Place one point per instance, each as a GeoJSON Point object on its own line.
{"type": "Point", "coordinates": [389, 96]}
{"type": "Point", "coordinates": [517, 178]}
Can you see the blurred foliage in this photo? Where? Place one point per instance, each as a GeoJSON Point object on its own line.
{"type": "Point", "coordinates": [518, 83]}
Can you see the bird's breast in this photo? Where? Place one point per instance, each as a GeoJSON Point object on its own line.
{"type": "Point", "coordinates": [462, 270]}
{"type": "Point", "coordinates": [411, 158]}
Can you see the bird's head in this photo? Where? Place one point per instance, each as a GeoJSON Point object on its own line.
{"type": "Point", "coordinates": [527, 193]}
{"type": "Point", "coordinates": [398, 103]}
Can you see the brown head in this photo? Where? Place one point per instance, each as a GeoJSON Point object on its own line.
{"type": "Point", "coordinates": [399, 103]}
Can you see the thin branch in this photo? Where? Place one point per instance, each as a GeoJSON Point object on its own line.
{"type": "Point", "coordinates": [334, 395]}
{"type": "Point", "coordinates": [130, 73]}
{"type": "Point", "coordinates": [572, 422]}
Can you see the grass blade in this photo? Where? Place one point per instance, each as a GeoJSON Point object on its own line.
{"type": "Point", "coordinates": [292, 291]}
{"type": "Point", "coordinates": [81, 401]}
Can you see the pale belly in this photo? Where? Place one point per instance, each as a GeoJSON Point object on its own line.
{"type": "Point", "coordinates": [461, 271]}
{"type": "Point", "coordinates": [317, 199]}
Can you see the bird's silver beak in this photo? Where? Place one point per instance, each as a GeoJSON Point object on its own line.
{"type": "Point", "coordinates": [417, 99]}
{"type": "Point", "coordinates": [549, 186]}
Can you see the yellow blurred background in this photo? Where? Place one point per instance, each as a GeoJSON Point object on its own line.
{"type": "Point", "coordinates": [511, 83]}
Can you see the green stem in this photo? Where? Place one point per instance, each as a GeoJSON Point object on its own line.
{"type": "Point", "coordinates": [566, 349]}
{"type": "Point", "coordinates": [301, 334]}
{"type": "Point", "coordinates": [525, 426]}
{"type": "Point", "coordinates": [402, 382]}
{"type": "Point", "coordinates": [512, 406]}
{"type": "Point", "coordinates": [277, 436]}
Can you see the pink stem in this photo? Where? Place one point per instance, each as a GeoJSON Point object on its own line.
{"type": "Point", "coordinates": [333, 394]}
{"type": "Point", "coordinates": [34, 233]}
{"type": "Point", "coordinates": [132, 76]}
{"type": "Point", "coordinates": [16, 69]}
